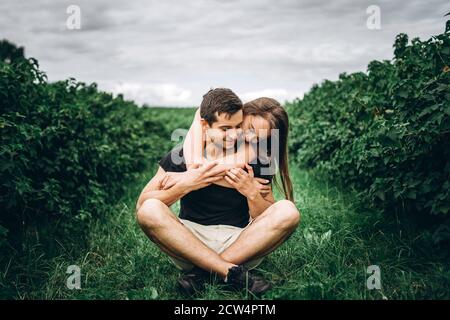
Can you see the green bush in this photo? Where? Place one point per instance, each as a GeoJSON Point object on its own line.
{"type": "Point", "coordinates": [67, 151]}
{"type": "Point", "coordinates": [386, 132]}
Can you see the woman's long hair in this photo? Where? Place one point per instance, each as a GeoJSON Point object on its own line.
{"type": "Point", "coordinates": [274, 113]}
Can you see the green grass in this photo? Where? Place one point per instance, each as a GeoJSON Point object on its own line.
{"type": "Point", "coordinates": [326, 258]}
{"type": "Point", "coordinates": [173, 118]}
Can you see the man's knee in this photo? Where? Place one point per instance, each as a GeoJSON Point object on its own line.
{"type": "Point", "coordinates": [286, 215]}
{"type": "Point", "coordinates": [151, 213]}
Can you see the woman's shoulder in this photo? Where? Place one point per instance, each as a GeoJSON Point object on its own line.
{"type": "Point", "coordinates": [173, 161]}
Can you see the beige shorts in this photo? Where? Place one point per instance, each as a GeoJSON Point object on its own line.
{"type": "Point", "coordinates": [217, 237]}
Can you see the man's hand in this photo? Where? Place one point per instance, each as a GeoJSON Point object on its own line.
{"type": "Point", "coordinates": [170, 179]}
{"type": "Point", "coordinates": [195, 178]}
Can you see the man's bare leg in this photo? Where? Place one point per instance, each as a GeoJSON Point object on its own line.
{"type": "Point", "coordinates": [160, 225]}
{"type": "Point", "coordinates": [264, 234]}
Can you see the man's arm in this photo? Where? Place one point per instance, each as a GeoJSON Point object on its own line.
{"type": "Point", "coordinates": [258, 203]}
{"type": "Point", "coordinates": [187, 181]}
{"type": "Point", "coordinates": [153, 191]}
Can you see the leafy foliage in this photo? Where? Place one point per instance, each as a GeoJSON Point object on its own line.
{"type": "Point", "coordinates": [9, 52]}
{"type": "Point", "coordinates": [67, 152]}
{"type": "Point", "coordinates": [385, 132]}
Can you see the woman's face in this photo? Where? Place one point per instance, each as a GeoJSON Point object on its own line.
{"type": "Point", "coordinates": [255, 128]}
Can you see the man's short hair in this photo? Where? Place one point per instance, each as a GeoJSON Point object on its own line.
{"type": "Point", "coordinates": [220, 100]}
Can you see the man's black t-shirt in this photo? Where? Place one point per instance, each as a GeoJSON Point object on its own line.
{"type": "Point", "coordinates": [213, 204]}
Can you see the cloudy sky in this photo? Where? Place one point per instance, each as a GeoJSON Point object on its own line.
{"type": "Point", "coordinates": [171, 52]}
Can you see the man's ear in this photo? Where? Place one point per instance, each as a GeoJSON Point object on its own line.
{"type": "Point", "coordinates": [205, 128]}
{"type": "Point", "coordinates": [204, 123]}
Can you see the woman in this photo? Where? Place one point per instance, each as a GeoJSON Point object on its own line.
{"type": "Point", "coordinates": [266, 113]}
{"type": "Point", "coordinates": [261, 117]}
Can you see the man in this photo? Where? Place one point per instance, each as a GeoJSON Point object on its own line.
{"type": "Point", "coordinates": [219, 230]}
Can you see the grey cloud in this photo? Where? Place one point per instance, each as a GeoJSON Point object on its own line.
{"type": "Point", "coordinates": [183, 48]}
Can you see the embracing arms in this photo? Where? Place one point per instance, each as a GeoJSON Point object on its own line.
{"type": "Point", "coordinates": [171, 186]}
{"type": "Point", "coordinates": [187, 181]}
{"type": "Point", "coordinates": [257, 190]}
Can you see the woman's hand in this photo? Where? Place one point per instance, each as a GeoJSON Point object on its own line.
{"type": "Point", "coordinates": [263, 186]}
{"type": "Point", "coordinates": [242, 181]}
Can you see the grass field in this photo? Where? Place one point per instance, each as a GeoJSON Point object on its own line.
{"type": "Point", "coordinates": [326, 258]}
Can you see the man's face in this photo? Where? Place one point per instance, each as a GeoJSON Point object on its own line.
{"type": "Point", "coordinates": [226, 129]}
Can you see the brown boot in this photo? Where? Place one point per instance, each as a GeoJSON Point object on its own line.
{"type": "Point", "coordinates": [239, 278]}
{"type": "Point", "coordinates": [193, 281]}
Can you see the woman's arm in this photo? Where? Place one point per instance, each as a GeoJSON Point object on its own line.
{"type": "Point", "coordinates": [244, 155]}
{"type": "Point", "coordinates": [193, 151]}
{"type": "Point", "coordinates": [193, 143]}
